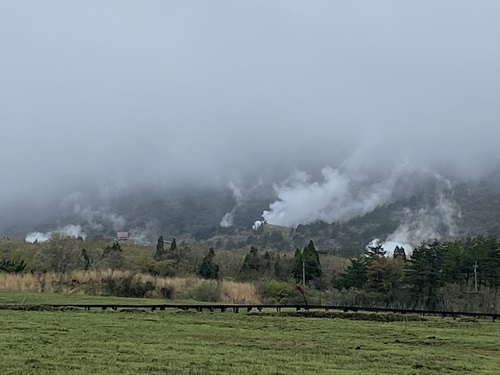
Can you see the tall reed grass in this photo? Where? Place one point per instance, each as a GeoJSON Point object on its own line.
{"type": "Point", "coordinates": [89, 282]}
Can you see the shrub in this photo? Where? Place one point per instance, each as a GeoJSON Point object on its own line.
{"type": "Point", "coordinates": [206, 291]}
{"type": "Point", "coordinates": [167, 291]}
{"type": "Point", "coordinates": [163, 268]}
{"type": "Point", "coordinates": [280, 292]}
{"type": "Point", "coordinates": [127, 287]}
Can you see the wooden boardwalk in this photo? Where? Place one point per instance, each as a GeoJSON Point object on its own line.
{"type": "Point", "coordinates": [256, 307]}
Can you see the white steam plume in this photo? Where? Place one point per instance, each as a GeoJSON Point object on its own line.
{"type": "Point", "coordinates": [95, 218]}
{"type": "Point", "coordinates": [257, 224]}
{"type": "Point", "coordinates": [69, 231]}
{"type": "Point", "coordinates": [338, 197]}
{"type": "Point", "coordinates": [145, 235]}
{"type": "Point", "coordinates": [426, 223]}
{"type": "Point", "coordinates": [227, 219]}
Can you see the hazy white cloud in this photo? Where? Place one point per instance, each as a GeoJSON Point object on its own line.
{"type": "Point", "coordinates": [121, 92]}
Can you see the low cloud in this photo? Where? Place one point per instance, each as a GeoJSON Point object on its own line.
{"type": "Point", "coordinates": [98, 94]}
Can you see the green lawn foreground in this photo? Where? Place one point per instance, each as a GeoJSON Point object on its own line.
{"type": "Point", "coordinates": [34, 298]}
{"type": "Point", "coordinates": [175, 342]}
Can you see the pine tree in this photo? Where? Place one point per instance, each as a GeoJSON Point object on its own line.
{"type": "Point", "coordinates": [10, 266]}
{"type": "Point", "coordinates": [173, 246]}
{"type": "Point", "coordinates": [306, 261]}
{"type": "Point", "coordinates": [174, 253]}
{"type": "Point", "coordinates": [425, 273]}
{"type": "Point", "coordinates": [160, 249]}
{"type": "Point", "coordinates": [113, 255]}
{"type": "Point", "coordinates": [252, 261]}
{"type": "Point", "coordinates": [297, 265]}
{"type": "Point", "coordinates": [354, 276]}
{"type": "Point", "coordinates": [374, 252]}
{"type": "Point", "coordinates": [312, 263]}
{"type": "Point", "coordinates": [86, 260]}
{"type": "Point", "coordinates": [399, 252]}
{"type": "Point", "coordinates": [208, 268]}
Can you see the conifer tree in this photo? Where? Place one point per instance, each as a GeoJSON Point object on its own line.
{"type": "Point", "coordinates": [374, 252]}
{"type": "Point", "coordinates": [306, 262]}
{"type": "Point", "coordinates": [354, 276]}
{"type": "Point", "coordinates": [399, 252]}
{"type": "Point", "coordinates": [160, 249]}
{"type": "Point", "coordinates": [297, 265]}
{"type": "Point", "coordinates": [208, 268]}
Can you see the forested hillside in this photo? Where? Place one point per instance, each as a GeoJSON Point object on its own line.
{"type": "Point", "coordinates": [195, 214]}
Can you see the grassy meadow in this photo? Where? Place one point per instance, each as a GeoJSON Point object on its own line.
{"type": "Point", "coordinates": [87, 284]}
{"type": "Point", "coordinates": [175, 342]}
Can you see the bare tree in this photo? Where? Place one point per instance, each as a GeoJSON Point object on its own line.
{"type": "Point", "coordinates": [60, 255]}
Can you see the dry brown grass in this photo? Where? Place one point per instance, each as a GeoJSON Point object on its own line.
{"type": "Point", "coordinates": [234, 292]}
{"type": "Point", "coordinates": [79, 281]}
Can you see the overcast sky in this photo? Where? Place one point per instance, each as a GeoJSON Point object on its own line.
{"type": "Point", "coordinates": [99, 92]}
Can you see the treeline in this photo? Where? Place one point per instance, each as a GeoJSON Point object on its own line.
{"type": "Point", "coordinates": [167, 259]}
{"type": "Point", "coordinates": [254, 265]}
{"type": "Point", "coordinates": [459, 275]}
{"type": "Point", "coordinates": [451, 275]}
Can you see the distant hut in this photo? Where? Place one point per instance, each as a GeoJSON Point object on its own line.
{"type": "Point", "coordinates": [122, 236]}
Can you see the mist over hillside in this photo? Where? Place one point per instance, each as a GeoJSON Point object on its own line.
{"type": "Point", "coordinates": [432, 207]}
{"type": "Point", "coordinates": [165, 118]}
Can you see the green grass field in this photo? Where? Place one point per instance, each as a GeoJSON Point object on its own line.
{"type": "Point", "coordinates": [33, 298]}
{"type": "Point", "coordinates": [170, 342]}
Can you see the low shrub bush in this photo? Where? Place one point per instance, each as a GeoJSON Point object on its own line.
{"type": "Point", "coordinates": [206, 291]}
{"type": "Point", "coordinates": [127, 286]}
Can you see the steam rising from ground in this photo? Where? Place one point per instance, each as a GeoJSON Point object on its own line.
{"type": "Point", "coordinates": [339, 197]}
{"type": "Point", "coordinates": [343, 195]}
{"type": "Point", "coordinates": [431, 222]}
{"type": "Point", "coordinates": [241, 195]}
{"type": "Point", "coordinates": [100, 218]}
{"type": "Point", "coordinates": [227, 219]}
{"type": "Point", "coordinates": [95, 218]}
{"type": "Point", "coordinates": [68, 230]}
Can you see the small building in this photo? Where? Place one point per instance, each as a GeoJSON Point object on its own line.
{"type": "Point", "coordinates": [121, 236]}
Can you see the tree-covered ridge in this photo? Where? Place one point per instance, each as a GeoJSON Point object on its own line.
{"type": "Point", "coordinates": [196, 213]}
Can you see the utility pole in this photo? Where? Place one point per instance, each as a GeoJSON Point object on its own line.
{"type": "Point", "coordinates": [475, 276]}
{"type": "Point", "coordinates": [303, 272]}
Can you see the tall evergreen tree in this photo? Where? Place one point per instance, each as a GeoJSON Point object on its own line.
{"type": "Point", "coordinates": [173, 246]}
{"type": "Point", "coordinates": [307, 261]}
{"type": "Point", "coordinates": [208, 268]}
{"type": "Point", "coordinates": [399, 253]}
{"type": "Point", "coordinates": [354, 276]}
{"type": "Point", "coordinates": [297, 265]}
{"type": "Point", "coordinates": [86, 260]}
{"type": "Point", "coordinates": [491, 263]}
{"type": "Point", "coordinates": [160, 249]}
{"type": "Point", "coordinates": [312, 263]}
{"type": "Point", "coordinates": [374, 252]}
{"type": "Point", "coordinates": [113, 255]}
{"type": "Point", "coordinates": [425, 273]}
{"type": "Point", "coordinates": [252, 264]}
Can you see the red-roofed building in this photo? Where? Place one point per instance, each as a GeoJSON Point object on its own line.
{"type": "Point", "coordinates": [122, 236]}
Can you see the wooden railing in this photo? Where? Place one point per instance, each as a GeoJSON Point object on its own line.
{"type": "Point", "coordinates": [249, 307]}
